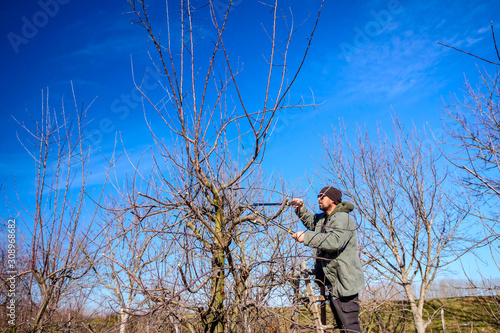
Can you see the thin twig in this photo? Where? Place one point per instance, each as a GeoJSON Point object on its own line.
{"type": "Point", "coordinates": [494, 40]}
{"type": "Point", "coordinates": [451, 47]}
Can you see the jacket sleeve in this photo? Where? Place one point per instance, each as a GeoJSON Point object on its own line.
{"type": "Point", "coordinates": [335, 238]}
{"type": "Point", "coordinates": [307, 218]}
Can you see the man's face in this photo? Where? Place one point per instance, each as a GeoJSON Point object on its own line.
{"type": "Point", "coordinates": [325, 202]}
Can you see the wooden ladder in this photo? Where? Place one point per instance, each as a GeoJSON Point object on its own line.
{"type": "Point", "coordinates": [318, 311]}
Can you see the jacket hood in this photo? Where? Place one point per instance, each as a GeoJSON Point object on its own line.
{"type": "Point", "coordinates": [343, 207]}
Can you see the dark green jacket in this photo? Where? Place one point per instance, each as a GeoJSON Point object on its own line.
{"type": "Point", "coordinates": [336, 247]}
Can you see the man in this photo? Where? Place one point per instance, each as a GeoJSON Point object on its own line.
{"type": "Point", "coordinates": [337, 264]}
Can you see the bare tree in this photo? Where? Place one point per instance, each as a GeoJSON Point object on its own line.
{"type": "Point", "coordinates": [411, 222]}
{"type": "Point", "coordinates": [473, 134]}
{"type": "Point", "coordinates": [55, 227]}
{"type": "Point", "coordinates": [134, 254]}
{"type": "Point", "coordinates": [261, 260]}
{"type": "Point", "coordinates": [473, 129]}
{"type": "Point", "coordinates": [206, 176]}
{"type": "Point", "coordinates": [471, 144]}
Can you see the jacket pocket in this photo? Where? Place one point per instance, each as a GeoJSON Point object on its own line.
{"type": "Point", "coordinates": [331, 272]}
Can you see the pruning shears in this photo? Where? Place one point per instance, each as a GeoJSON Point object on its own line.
{"type": "Point", "coordinates": [287, 203]}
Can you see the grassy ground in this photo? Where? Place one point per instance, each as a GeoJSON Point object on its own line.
{"type": "Point", "coordinates": [464, 314]}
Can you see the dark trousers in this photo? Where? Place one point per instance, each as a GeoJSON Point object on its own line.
{"type": "Point", "coordinates": [346, 312]}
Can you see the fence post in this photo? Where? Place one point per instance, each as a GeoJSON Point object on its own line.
{"type": "Point", "coordinates": [442, 320]}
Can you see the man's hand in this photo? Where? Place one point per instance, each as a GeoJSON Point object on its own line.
{"type": "Point", "coordinates": [299, 236]}
{"type": "Point", "coordinates": [297, 203]}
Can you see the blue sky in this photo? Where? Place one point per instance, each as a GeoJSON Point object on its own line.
{"type": "Point", "coordinates": [367, 59]}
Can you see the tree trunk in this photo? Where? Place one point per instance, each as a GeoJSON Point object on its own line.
{"type": "Point", "coordinates": [216, 312]}
{"type": "Point", "coordinates": [123, 323]}
{"type": "Point", "coordinates": [216, 318]}
{"type": "Point", "coordinates": [47, 294]}
{"type": "Point", "coordinates": [415, 311]}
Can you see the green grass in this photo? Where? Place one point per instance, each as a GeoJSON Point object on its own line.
{"type": "Point", "coordinates": [463, 314]}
